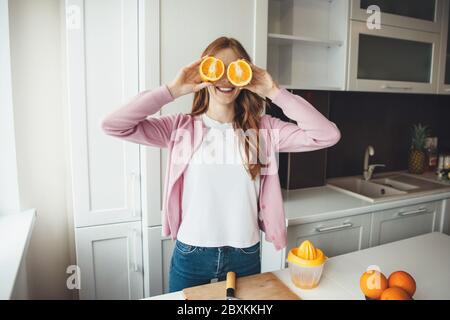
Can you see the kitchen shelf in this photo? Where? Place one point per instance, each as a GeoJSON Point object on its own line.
{"type": "Point", "coordinates": [285, 39]}
{"type": "Point", "coordinates": [307, 43]}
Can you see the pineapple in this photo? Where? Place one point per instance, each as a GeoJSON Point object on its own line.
{"type": "Point", "coordinates": [417, 157]}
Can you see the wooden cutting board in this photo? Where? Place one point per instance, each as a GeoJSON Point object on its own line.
{"type": "Point", "coordinates": [263, 286]}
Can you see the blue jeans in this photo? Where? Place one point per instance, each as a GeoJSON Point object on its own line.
{"type": "Point", "coordinates": [193, 266]}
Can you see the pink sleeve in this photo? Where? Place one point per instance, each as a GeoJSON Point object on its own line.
{"type": "Point", "coordinates": [131, 122]}
{"type": "Point", "coordinates": [313, 130]}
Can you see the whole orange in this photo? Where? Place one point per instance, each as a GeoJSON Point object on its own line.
{"type": "Point", "coordinates": [404, 280]}
{"type": "Point", "coordinates": [373, 283]}
{"type": "Point", "coordinates": [395, 293]}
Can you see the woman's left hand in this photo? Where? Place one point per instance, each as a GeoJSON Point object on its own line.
{"type": "Point", "coordinates": [262, 82]}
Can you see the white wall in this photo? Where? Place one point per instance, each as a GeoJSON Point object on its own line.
{"type": "Point", "coordinates": [37, 59]}
{"type": "Point", "coordinates": [9, 188]}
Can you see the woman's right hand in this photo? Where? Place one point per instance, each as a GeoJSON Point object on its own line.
{"type": "Point", "coordinates": [188, 80]}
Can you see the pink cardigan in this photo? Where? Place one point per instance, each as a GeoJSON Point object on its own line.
{"type": "Point", "coordinates": [182, 134]}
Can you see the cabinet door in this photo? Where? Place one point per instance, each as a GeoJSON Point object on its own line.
{"type": "Point", "coordinates": [334, 237]}
{"type": "Point", "coordinates": [444, 61]}
{"type": "Point", "coordinates": [102, 60]}
{"type": "Point", "coordinates": [412, 14]}
{"type": "Point", "coordinates": [392, 59]}
{"type": "Point", "coordinates": [160, 253]}
{"type": "Point", "coordinates": [402, 223]}
{"type": "Point", "coordinates": [110, 261]}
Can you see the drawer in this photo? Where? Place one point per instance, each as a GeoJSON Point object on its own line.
{"type": "Point", "coordinates": [421, 208]}
{"type": "Point", "coordinates": [335, 236]}
{"type": "Point", "coordinates": [404, 222]}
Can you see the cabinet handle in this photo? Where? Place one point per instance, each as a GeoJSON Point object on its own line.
{"type": "Point", "coordinates": [388, 86]}
{"type": "Point", "coordinates": [342, 226]}
{"type": "Point", "coordinates": [410, 213]}
{"type": "Point", "coordinates": [135, 258]}
{"type": "Point", "coordinates": [133, 194]}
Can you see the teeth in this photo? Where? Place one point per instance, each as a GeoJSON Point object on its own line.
{"type": "Point", "coordinates": [225, 89]}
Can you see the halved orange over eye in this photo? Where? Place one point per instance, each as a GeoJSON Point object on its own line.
{"type": "Point", "coordinates": [239, 73]}
{"type": "Point", "coordinates": [211, 69]}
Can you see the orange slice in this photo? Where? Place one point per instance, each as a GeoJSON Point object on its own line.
{"type": "Point", "coordinates": [211, 69]}
{"type": "Point", "coordinates": [239, 73]}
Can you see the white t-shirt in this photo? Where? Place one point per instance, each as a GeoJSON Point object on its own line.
{"type": "Point", "coordinates": [219, 204]}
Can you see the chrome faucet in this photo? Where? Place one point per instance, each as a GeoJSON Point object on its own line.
{"type": "Point", "coordinates": [368, 169]}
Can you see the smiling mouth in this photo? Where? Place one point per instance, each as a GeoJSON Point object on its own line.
{"type": "Point", "coordinates": [225, 90]}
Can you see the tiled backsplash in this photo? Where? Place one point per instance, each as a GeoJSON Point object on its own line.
{"type": "Point", "coordinates": [383, 120]}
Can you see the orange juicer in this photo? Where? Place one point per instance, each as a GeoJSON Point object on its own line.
{"type": "Point", "coordinates": [306, 265]}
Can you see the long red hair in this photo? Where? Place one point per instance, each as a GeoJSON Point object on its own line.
{"type": "Point", "coordinates": [248, 108]}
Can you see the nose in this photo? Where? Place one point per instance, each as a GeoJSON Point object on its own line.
{"type": "Point", "coordinates": [224, 82]}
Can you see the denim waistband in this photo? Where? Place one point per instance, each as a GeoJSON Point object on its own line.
{"type": "Point", "coordinates": [221, 248]}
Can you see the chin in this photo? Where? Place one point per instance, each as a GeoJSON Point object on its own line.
{"type": "Point", "coordinates": [224, 101]}
{"type": "Point", "coordinates": [222, 98]}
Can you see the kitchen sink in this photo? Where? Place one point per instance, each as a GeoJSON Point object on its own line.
{"type": "Point", "coordinates": [367, 189]}
{"type": "Point", "coordinates": [384, 186]}
{"type": "Point", "coordinates": [391, 182]}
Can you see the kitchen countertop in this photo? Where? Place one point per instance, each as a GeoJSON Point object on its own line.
{"type": "Point", "coordinates": [15, 232]}
{"type": "Point", "coordinates": [321, 203]}
{"type": "Point", "coordinates": [340, 280]}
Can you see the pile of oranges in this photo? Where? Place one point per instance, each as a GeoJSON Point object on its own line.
{"type": "Point", "coordinates": [399, 286]}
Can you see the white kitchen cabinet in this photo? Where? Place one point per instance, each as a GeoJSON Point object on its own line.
{"type": "Point", "coordinates": [307, 43]}
{"type": "Point", "coordinates": [444, 60]}
{"type": "Point", "coordinates": [411, 14]}
{"type": "Point", "coordinates": [405, 222]}
{"type": "Point", "coordinates": [160, 251]}
{"type": "Point", "coordinates": [102, 60]}
{"type": "Point", "coordinates": [334, 237]}
{"type": "Point", "coordinates": [392, 59]}
{"type": "Point", "coordinates": [110, 261]}
{"type": "Point", "coordinates": [102, 75]}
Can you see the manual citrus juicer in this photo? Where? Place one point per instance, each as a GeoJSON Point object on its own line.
{"type": "Point", "coordinates": [306, 264]}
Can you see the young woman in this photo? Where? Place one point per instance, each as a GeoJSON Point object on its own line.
{"type": "Point", "coordinates": [221, 186]}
